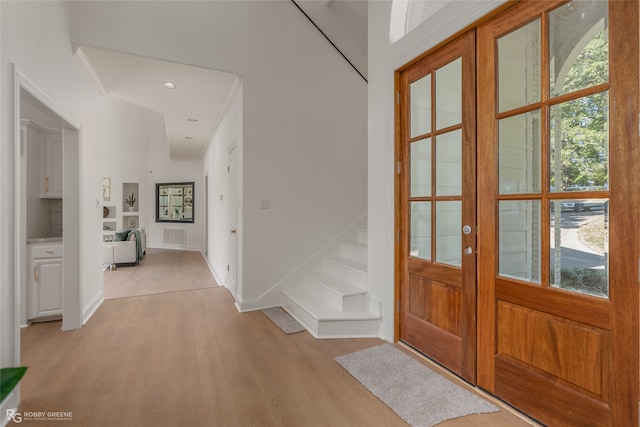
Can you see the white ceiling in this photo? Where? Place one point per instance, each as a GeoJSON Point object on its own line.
{"type": "Point", "coordinates": [200, 94]}
{"type": "Point", "coordinates": [203, 93]}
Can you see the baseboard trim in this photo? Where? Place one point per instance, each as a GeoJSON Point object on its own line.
{"type": "Point", "coordinates": [248, 305]}
{"type": "Point", "coordinates": [174, 248]}
{"type": "Point", "coordinates": [213, 271]}
{"type": "Point", "coordinates": [10, 403]}
{"type": "Point", "coordinates": [91, 308]}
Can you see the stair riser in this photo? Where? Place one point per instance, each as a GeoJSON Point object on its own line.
{"type": "Point", "coordinates": [347, 274]}
{"type": "Point", "coordinates": [300, 314]}
{"type": "Point", "coordinates": [362, 236]}
{"type": "Point", "coordinates": [334, 299]}
{"type": "Point", "coordinates": [351, 328]}
{"type": "Point", "coordinates": [356, 253]}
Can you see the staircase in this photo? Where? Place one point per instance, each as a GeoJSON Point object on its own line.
{"type": "Point", "coordinates": [329, 295]}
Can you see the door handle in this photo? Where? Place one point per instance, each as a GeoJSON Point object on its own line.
{"type": "Point", "coordinates": [35, 274]}
{"type": "Point", "coordinates": [233, 231]}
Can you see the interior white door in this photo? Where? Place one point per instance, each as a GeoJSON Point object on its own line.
{"type": "Point", "coordinates": [232, 191]}
{"type": "Point", "coordinates": [206, 216]}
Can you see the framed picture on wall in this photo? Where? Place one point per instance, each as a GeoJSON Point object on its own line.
{"type": "Point", "coordinates": [106, 189]}
{"type": "Point", "coordinates": [175, 202]}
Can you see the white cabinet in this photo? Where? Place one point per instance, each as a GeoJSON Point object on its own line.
{"type": "Point", "coordinates": [51, 165]}
{"type": "Point", "coordinates": [46, 281]}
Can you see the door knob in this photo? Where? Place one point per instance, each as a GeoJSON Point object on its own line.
{"type": "Point", "coordinates": [233, 231]}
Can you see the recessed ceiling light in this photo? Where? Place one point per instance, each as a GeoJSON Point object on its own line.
{"type": "Point", "coordinates": [169, 85]}
{"type": "Point", "coordinates": [192, 120]}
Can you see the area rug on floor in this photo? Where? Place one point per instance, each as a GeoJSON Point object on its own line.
{"type": "Point", "coordinates": [288, 324]}
{"type": "Point", "coordinates": [413, 391]}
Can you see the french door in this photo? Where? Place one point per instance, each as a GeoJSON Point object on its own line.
{"type": "Point", "coordinates": [546, 317]}
{"type": "Point", "coordinates": [558, 293]}
{"type": "Point", "coordinates": [438, 211]}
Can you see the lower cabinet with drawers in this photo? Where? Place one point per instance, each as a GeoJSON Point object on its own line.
{"type": "Point", "coordinates": [45, 278]}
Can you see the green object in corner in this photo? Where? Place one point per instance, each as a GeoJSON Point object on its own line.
{"type": "Point", "coordinates": [9, 378]}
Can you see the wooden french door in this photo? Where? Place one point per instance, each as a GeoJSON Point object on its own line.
{"type": "Point", "coordinates": [437, 219]}
{"type": "Point", "coordinates": [559, 225]}
{"type": "Point", "coordinates": [546, 317]}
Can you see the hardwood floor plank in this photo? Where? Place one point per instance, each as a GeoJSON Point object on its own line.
{"type": "Point", "coordinates": [188, 358]}
{"type": "Point", "coordinates": [160, 271]}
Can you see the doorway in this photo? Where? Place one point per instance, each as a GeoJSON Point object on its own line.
{"type": "Point", "coordinates": [232, 190]}
{"type": "Point", "coordinates": [206, 216]}
{"type": "Point", "coordinates": [48, 111]}
{"type": "Point", "coordinates": [555, 287]}
{"type": "Point", "coordinates": [437, 193]}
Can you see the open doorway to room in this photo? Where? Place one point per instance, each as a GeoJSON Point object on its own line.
{"type": "Point", "coordinates": [181, 109]}
{"type": "Point", "coordinates": [47, 165]}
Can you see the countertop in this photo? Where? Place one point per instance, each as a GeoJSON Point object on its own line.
{"type": "Point", "coordinates": [44, 240]}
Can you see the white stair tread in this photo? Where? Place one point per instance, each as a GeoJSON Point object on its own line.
{"type": "Point", "coordinates": [339, 286]}
{"type": "Point", "coordinates": [346, 262]}
{"type": "Point", "coordinates": [322, 312]}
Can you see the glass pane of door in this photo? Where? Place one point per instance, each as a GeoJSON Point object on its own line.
{"type": "Point", "coordinates": [449, 164]}
{"type": "Point", "coordinates": [578, 46]}
{"type": "Point", "coordinates": [519, 235]}
{"type": "Point", "coordinates": [519, 153]}
{"type": "Point", "coordinates": [420, 155]}
{"type": "Point", "coordinates": [420, 98]}
{"type": "Point", "coordinates": [448, 236]}
{"type": "Point", "coordinates": [519, 67]}
{"type": "Point", "coordinates": [580, 144]}
{"type": "Point", "coordinates": [580, 246]}
{"type": "Point", "coordinates": [449, 94]}
{"type": "Point", "coordinates": [420, 244]}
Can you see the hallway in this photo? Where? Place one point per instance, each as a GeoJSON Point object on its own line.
{"type": "Point", "coordinates": [188, 357]}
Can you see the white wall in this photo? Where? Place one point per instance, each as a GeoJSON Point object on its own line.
{"type": "Point", "coordinates": [160, 168]}
{"type": "Point", "coordinates": [227, 135]}
{"type": "Point", "coordinates": [137, 151]}
{"type": "Point", "coordinates": [384, 59]}
{"type": "Point", "coordinates": [124, 157]}
{"type": "Point", "coordinates": [114, 141]}
{"type": "Point", "coordinates": [35, 39]}
{"type": "Point", "coordinates": [304, 112]}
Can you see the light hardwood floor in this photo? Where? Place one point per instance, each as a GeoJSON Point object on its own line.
{"type": "Point", "coordinates": [188, 358]}
{"type": "Point", "coordinates": [160, 271]}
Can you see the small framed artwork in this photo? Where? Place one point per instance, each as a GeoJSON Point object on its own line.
{"type": "Point", "coordinates": [175, 202]}
{"type": "Point", "coordinates": [106, 189]}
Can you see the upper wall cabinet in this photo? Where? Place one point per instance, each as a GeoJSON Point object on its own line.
{"type": "Point", "coordinates": [51, 164]}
